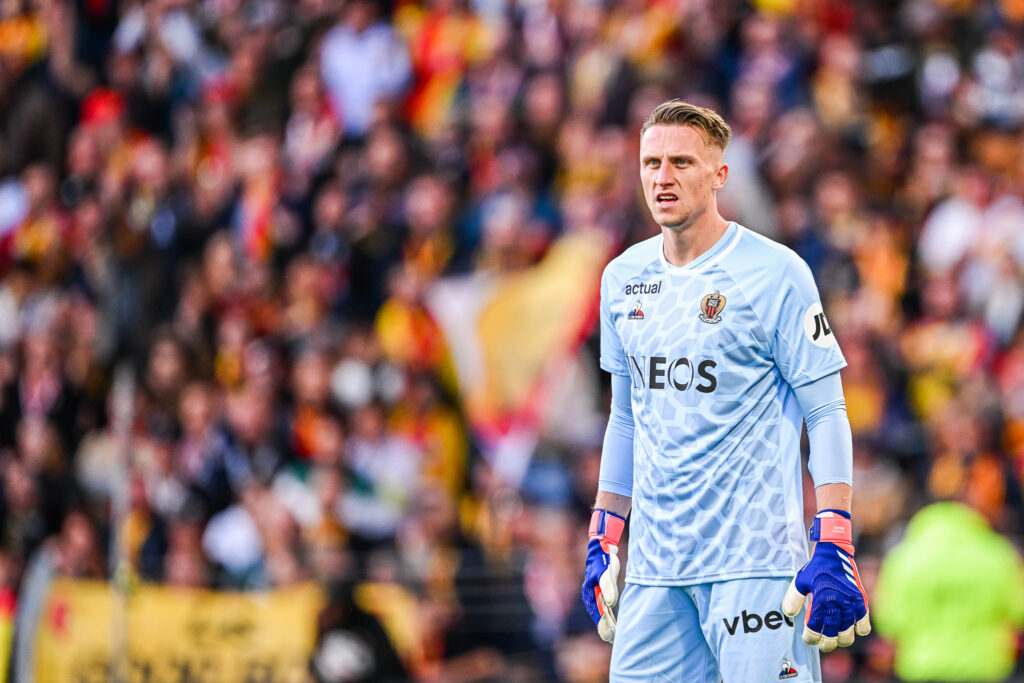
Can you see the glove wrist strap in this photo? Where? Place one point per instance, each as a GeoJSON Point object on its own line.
{"type": "Point", "coordinates": [607, 527]}
{"type": "Point", "coordinates": [833, 526]}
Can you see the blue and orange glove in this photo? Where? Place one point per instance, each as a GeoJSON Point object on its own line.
{"type": "Point", "coordinates": [601, 580]}
{"type": "Point", "coordinates": [838, 606]}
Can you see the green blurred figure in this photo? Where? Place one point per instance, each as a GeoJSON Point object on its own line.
{"type": "Point", "coordinates": [950, 597]}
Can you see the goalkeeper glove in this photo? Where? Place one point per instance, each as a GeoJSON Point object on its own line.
{"type": "Point", "coordinates": [838, 605]}
{"type": "Point", "coordinates": [600, 582]}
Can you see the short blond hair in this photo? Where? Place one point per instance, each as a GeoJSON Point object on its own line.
{"type": "Point", "coordinates": [678, 113]}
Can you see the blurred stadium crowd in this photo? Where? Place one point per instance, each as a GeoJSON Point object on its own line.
{"type": "Point", "coordinates": [252, 199]}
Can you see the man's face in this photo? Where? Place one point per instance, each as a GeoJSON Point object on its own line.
{"type": "Point", "coordinates": [680, 173]}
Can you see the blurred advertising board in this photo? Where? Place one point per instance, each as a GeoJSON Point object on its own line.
{"type": "Point", "coordinates": [171, 634]}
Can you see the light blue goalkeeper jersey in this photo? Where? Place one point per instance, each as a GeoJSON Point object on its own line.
{"type": "Point", "coordinates": [713, 349]}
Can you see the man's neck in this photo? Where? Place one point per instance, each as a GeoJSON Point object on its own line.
{"type": "Point", "coordinates": [687, 245]}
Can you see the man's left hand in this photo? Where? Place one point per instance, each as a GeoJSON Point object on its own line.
{"type": "Point", "coordinates": [838, 606]}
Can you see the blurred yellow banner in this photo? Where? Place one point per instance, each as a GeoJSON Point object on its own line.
{"type": "Point", "coordinates": [177, 634]}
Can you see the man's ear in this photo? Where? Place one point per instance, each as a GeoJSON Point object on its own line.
{"type": "Point", "coordinates": [720, 177]}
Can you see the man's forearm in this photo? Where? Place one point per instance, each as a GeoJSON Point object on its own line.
{"type": "Point", "coordinates": [616, 474]}
{"type": "Point", "coordinates": [613, 502]}
{"type": "Point", "coordinates": [829, 435]}
{"type": "Point", "coordinates": [834, 497]}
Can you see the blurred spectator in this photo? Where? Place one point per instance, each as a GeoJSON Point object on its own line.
{"type": "Point", "coordinates": [351, 645]}
{"type": "Point", "coordinates": [364, 63]}
{"type": "Point", "coordinates": [385, 470]}
{"type": "Point", "coordinates": [74, 552]}
{"type": "Point", "coordinates": [951, 598]}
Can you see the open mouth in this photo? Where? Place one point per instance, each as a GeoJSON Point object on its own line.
{"type": "Point", "coordinates": [665, 199]}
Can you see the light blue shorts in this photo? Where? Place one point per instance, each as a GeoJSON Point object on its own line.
{"type": "Point", "coordinates": [731, 631]}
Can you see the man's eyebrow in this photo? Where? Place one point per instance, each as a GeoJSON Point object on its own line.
{"type": "Point", "coordinates": [673, 158]}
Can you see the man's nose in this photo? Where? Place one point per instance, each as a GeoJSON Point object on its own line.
{"type": "Point", "coordinates": [663, 177]}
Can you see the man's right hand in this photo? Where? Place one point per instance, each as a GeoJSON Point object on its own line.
{"type": "Point", "coordinates": [601, 580]}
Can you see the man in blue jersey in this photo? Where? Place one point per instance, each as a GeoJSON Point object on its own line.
{"type": "Point", "coordinates": [718, 349]}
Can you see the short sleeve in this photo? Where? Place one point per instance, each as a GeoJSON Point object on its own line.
{"type": "Point", "coordinates": [804, 344]}
{"type": "Point", "coordinates": [613, 359]}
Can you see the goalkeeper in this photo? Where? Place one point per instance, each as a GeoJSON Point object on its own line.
{"type": "Point", "coordinates": [718, 349]}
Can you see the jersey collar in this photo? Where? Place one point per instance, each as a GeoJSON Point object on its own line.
{"type": "Point", "coordinates": [729, 239]}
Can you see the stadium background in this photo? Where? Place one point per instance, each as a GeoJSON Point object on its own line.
{"type": "Point", "coordinates": [300, 295]}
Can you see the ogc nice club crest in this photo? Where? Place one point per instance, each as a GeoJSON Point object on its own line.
{"type": "Point", "coordinates": [711, 307]}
